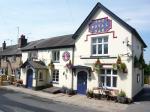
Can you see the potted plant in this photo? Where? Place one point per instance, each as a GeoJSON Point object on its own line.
{"type": "Point", "coordinates": [97, 66]}
{"type": "Point", "coordinates": [89, 94]}
{"type": "Point", "coordinates": [120, 66]}
{"type": "Point", "coordinates": [141, 61]}
{"type": "Point", "coordinates": [6, 71]}
{"type": "Point", "coordinates": [123, 67]}
{"type": "Point", "coordinates": [121, 97]}
{"type": "Point", "coordinates": [51, 65]}
{"type": "Point", "coordinates": [118, 63]}
{"type": "Point", "coordinates": [119, 60]}
{"type": "Point", "coordinates": [69, 65]}
{"type": "Point", "coordinates": [115, 66]}
{"type": "Point", "coordinates": [70, 92]}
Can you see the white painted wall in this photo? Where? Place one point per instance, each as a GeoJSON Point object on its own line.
{"type": "Point", "coordinates": [46, 56]}
{"type": "Point", "coordinates": [125, 82]}
{"type": "Point", "coordinates": [137, 50]}
{"type": "Point", "coordinates": [116, 47]}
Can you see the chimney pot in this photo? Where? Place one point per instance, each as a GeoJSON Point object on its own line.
{"type": "Point", "coordinates": [22, 41]}
{"type": "Point", "coordinates": [4, 45]}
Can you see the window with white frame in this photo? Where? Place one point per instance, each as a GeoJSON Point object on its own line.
{"type": "Point", "coordinates": [56, 76]}
{"type": "Point", "coordinates": [99, 45]}
{"type": "Point", "coordinates": [138, 78]}
{"type": "Point", "coordinates": [108, 78]}
{"type": "Point", "coordinates": [13, 58]}
{"type": "Point", "coordinates": [32, 55]}
{"type": "Point", "coordinates": [40, 76]}
{"type": "Point", "coordinates": [55, 56]}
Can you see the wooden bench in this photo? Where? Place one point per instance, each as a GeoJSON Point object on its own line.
{"type": "Point", "coordinates": [105, 93]}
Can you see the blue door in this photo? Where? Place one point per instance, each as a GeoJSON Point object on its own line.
{"type": "Point", "coordinates": [82, 82]}
{"type": "Point", "coordinates": [29, 78]}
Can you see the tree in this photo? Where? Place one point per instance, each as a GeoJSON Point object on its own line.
{"type": "Point", "coordinates": [147, 69]}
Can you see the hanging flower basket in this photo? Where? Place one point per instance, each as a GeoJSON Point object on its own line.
{"type": "Point", "coordinates": [141, 61]}
{"type": "Point", "coordinates": [69, 65]}
{"type": "Point", "coordinates": [115, 66]}
{"type": "Point", "coordinates": [124, 68]}
{"type": "Point", "coordinates": [51, 65]}
{"type": "Point", "coordinates": [97, 66]}
{"type": "Point", "coordinates": [120, 66]}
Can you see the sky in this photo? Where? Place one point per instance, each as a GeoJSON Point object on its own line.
{"type": "Point", "coordinates": [39, 19]}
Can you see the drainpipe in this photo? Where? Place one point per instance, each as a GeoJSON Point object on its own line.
{"type": "Point", "coordinates": [72, 70]}
{"type": "Point", "coordinates": [36, 76]}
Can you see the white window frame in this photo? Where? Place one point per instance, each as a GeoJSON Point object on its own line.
{"type": "Point", "coordinates": [102, 43]}
{"type": "Point", "coordinates": [54, 78]}
{"type": "Point", "coordinates": [40, 76]}
{"type": "Point", "coordinates": [13, 58]}
{"type": "Point", "coordinates": [111, 78]}
{"type": "Point", "coordinates": [57, 58]}
{"type": "Point", "coordinates": [138, 78]}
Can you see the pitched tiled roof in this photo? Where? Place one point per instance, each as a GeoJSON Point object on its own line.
{"type": "Point", "coordinates": [34, 64]}
{"type": "Point", "coordinates": [93, 12]}
{"type": "Point", "coordinates": [54, 42]}
{"type": "Point", "coordinates": [10, 50]}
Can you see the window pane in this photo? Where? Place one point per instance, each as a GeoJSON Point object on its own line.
{"type": "Point", "coordinates": [108, 71]}
{"type": "Point", "coordinates": [54, 56]}
{"type": "Point", "coordinates": [102, 81]}
{"type": "Point", "coordinates": [138, 78]}
{"type": "Point", "coordinates": [99, 40]}
{"type": "Point", "coordinates": [105, 48]}
{"type": "Point", "coordinates": [108, 81]}
{"type": "Point", "coordinates": [93, 49]}
{"type": "Point", "coordinates": [114, 72]}
{"type": "Point", "coordinates": [105, 39]}
{"type": "Point", "coordinates": [94, 40]}
{"type": "Point", "coordinates": [100, 49]}
{"type": "Point", "coordinates": [102, 71]}
{"type": "Point", "coordinates": [57, 55]}
{"type": "Point", "coordinates": [114, 81]}
{"type": "Point", "coordinates": [56, 75]}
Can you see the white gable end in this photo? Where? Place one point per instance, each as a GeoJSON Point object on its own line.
{"type": "Point", "coordinates": [116, 35]}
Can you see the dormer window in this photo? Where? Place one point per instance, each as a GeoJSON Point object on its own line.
{"type": "Point", "coordinates": [99, 46]}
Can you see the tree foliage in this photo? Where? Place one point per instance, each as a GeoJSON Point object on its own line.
{"type": "Point", "coordinates": [147, 69]}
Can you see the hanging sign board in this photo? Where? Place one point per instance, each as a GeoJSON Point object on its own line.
{"type": "Point", "coordinates": [66, 56]}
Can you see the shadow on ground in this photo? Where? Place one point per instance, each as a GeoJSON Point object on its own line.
{"type": "Point", "coordinates": [6, 104]}
{"type": "Point", "coordinates": [145, 94]}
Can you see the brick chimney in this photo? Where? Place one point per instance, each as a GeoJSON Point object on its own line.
{"type": "Point", "coordinates": [4, 45]}
{"type": "Point", "coordinates": [22, 41]}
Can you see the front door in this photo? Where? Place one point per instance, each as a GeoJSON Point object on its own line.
{"type": "Point", "coordinates": [82, 82]}
{"type": "Point", "coordinates": [29, 78]}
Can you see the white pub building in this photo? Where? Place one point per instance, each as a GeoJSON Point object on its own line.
{"type": "Point", "coordinates": [104, 51]}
